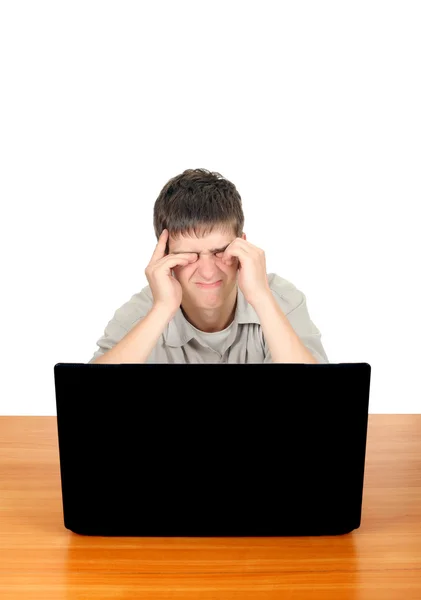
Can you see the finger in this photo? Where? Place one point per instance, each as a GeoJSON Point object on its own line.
{"type": "Point", "coordinates": [241, 244]}
{"type": "Point", "coordinates": [232, 253]}
{"type": "Point", "coordinates": [159, 251]}
{"type": "Point", "coordinates": [248, 246]}
{"type": "Point", "coordinates": [172, 260]}
{"type": "Point", "coordinates": [228, 258]}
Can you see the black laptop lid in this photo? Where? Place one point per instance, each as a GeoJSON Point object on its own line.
{"type": "Point", "coordinates": [208, 449]}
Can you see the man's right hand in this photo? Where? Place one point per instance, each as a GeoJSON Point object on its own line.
{"type": "Point", "coordinates": [165, 288]}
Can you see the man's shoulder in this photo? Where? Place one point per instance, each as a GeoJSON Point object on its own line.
{"type": "Point", "coordinates": [134, 309]}
{"type": "Point", "coordinates": [285, 292]}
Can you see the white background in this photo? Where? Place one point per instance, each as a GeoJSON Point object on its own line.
{"type": "Point", "coordinates": [312, 109]}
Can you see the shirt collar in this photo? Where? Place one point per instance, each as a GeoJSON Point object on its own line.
{"type": "Point", "coordinates": [179, 332]}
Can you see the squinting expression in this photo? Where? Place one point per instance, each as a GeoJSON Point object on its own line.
{"type": "Point", "coordinates": [208, 278]}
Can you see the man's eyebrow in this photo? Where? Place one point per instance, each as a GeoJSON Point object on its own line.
{"type": "Point", "coordinates": [193, 252]}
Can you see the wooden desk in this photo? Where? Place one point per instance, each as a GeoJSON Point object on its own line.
{"type": "Point", "coordinates": [41, 560]}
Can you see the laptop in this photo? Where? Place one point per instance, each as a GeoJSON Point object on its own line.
{"type": "Point", "coordinates": [212, 449]}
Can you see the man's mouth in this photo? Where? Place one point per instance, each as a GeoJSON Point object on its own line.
{"type": "Point", "coordinates": [209, 286]}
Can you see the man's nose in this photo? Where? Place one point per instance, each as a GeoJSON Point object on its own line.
{"type": "Point", "coordinates": [206, 263]}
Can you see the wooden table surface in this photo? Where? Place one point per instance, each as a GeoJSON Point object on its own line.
{"type": "Point", "coordinates": [41, 559]}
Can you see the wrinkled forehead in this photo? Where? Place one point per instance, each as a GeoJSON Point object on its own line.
{"type": "Point", "coordinates": [210, 242]}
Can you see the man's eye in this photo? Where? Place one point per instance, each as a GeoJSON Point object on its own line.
{"type": "Point", "coordinates": [219, 254]}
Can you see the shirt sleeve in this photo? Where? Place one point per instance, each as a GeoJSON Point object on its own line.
{"type": "Point", "coordinates": [294, 305]}
{"type": "Point", "coordinates": [113, 333]}
{"type": "Point", "coordinates": [125, 317]}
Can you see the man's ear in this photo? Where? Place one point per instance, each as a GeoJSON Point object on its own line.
{"type": "Point", "coordinates": [243, 236]}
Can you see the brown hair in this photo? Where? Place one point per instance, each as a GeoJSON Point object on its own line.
{"type": "Point", "coordinates": [198, 201]}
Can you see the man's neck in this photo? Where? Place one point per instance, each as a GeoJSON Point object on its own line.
{"type": "Point", "coordinates": [213, 320]}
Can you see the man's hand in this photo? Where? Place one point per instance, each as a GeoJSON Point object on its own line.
{"type": "Point", "coordinates": [166, 290]}
{"type": "Point", "coordinates": [252, 277]}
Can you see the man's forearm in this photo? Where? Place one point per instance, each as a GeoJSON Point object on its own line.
{"type": "Point", "coordinates": [138, 343]}
{"type": "Point", "coordinates": [284, 344]}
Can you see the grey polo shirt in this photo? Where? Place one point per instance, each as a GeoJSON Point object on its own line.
{"type": "Point", "coordinates": [241, 342]}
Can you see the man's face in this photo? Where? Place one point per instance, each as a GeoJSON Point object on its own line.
{"type": "Point", "coordinates": [208, 268]}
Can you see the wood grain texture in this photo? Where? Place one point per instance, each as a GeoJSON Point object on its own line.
{"type": "Point", "coordinates": [41, 560]}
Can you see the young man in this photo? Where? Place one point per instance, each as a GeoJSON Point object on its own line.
{"type": "Point", "coordinates": [209, 298]}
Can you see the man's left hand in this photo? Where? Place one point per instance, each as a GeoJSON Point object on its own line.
{"type": "Point", "coordinates": [252, 277]}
